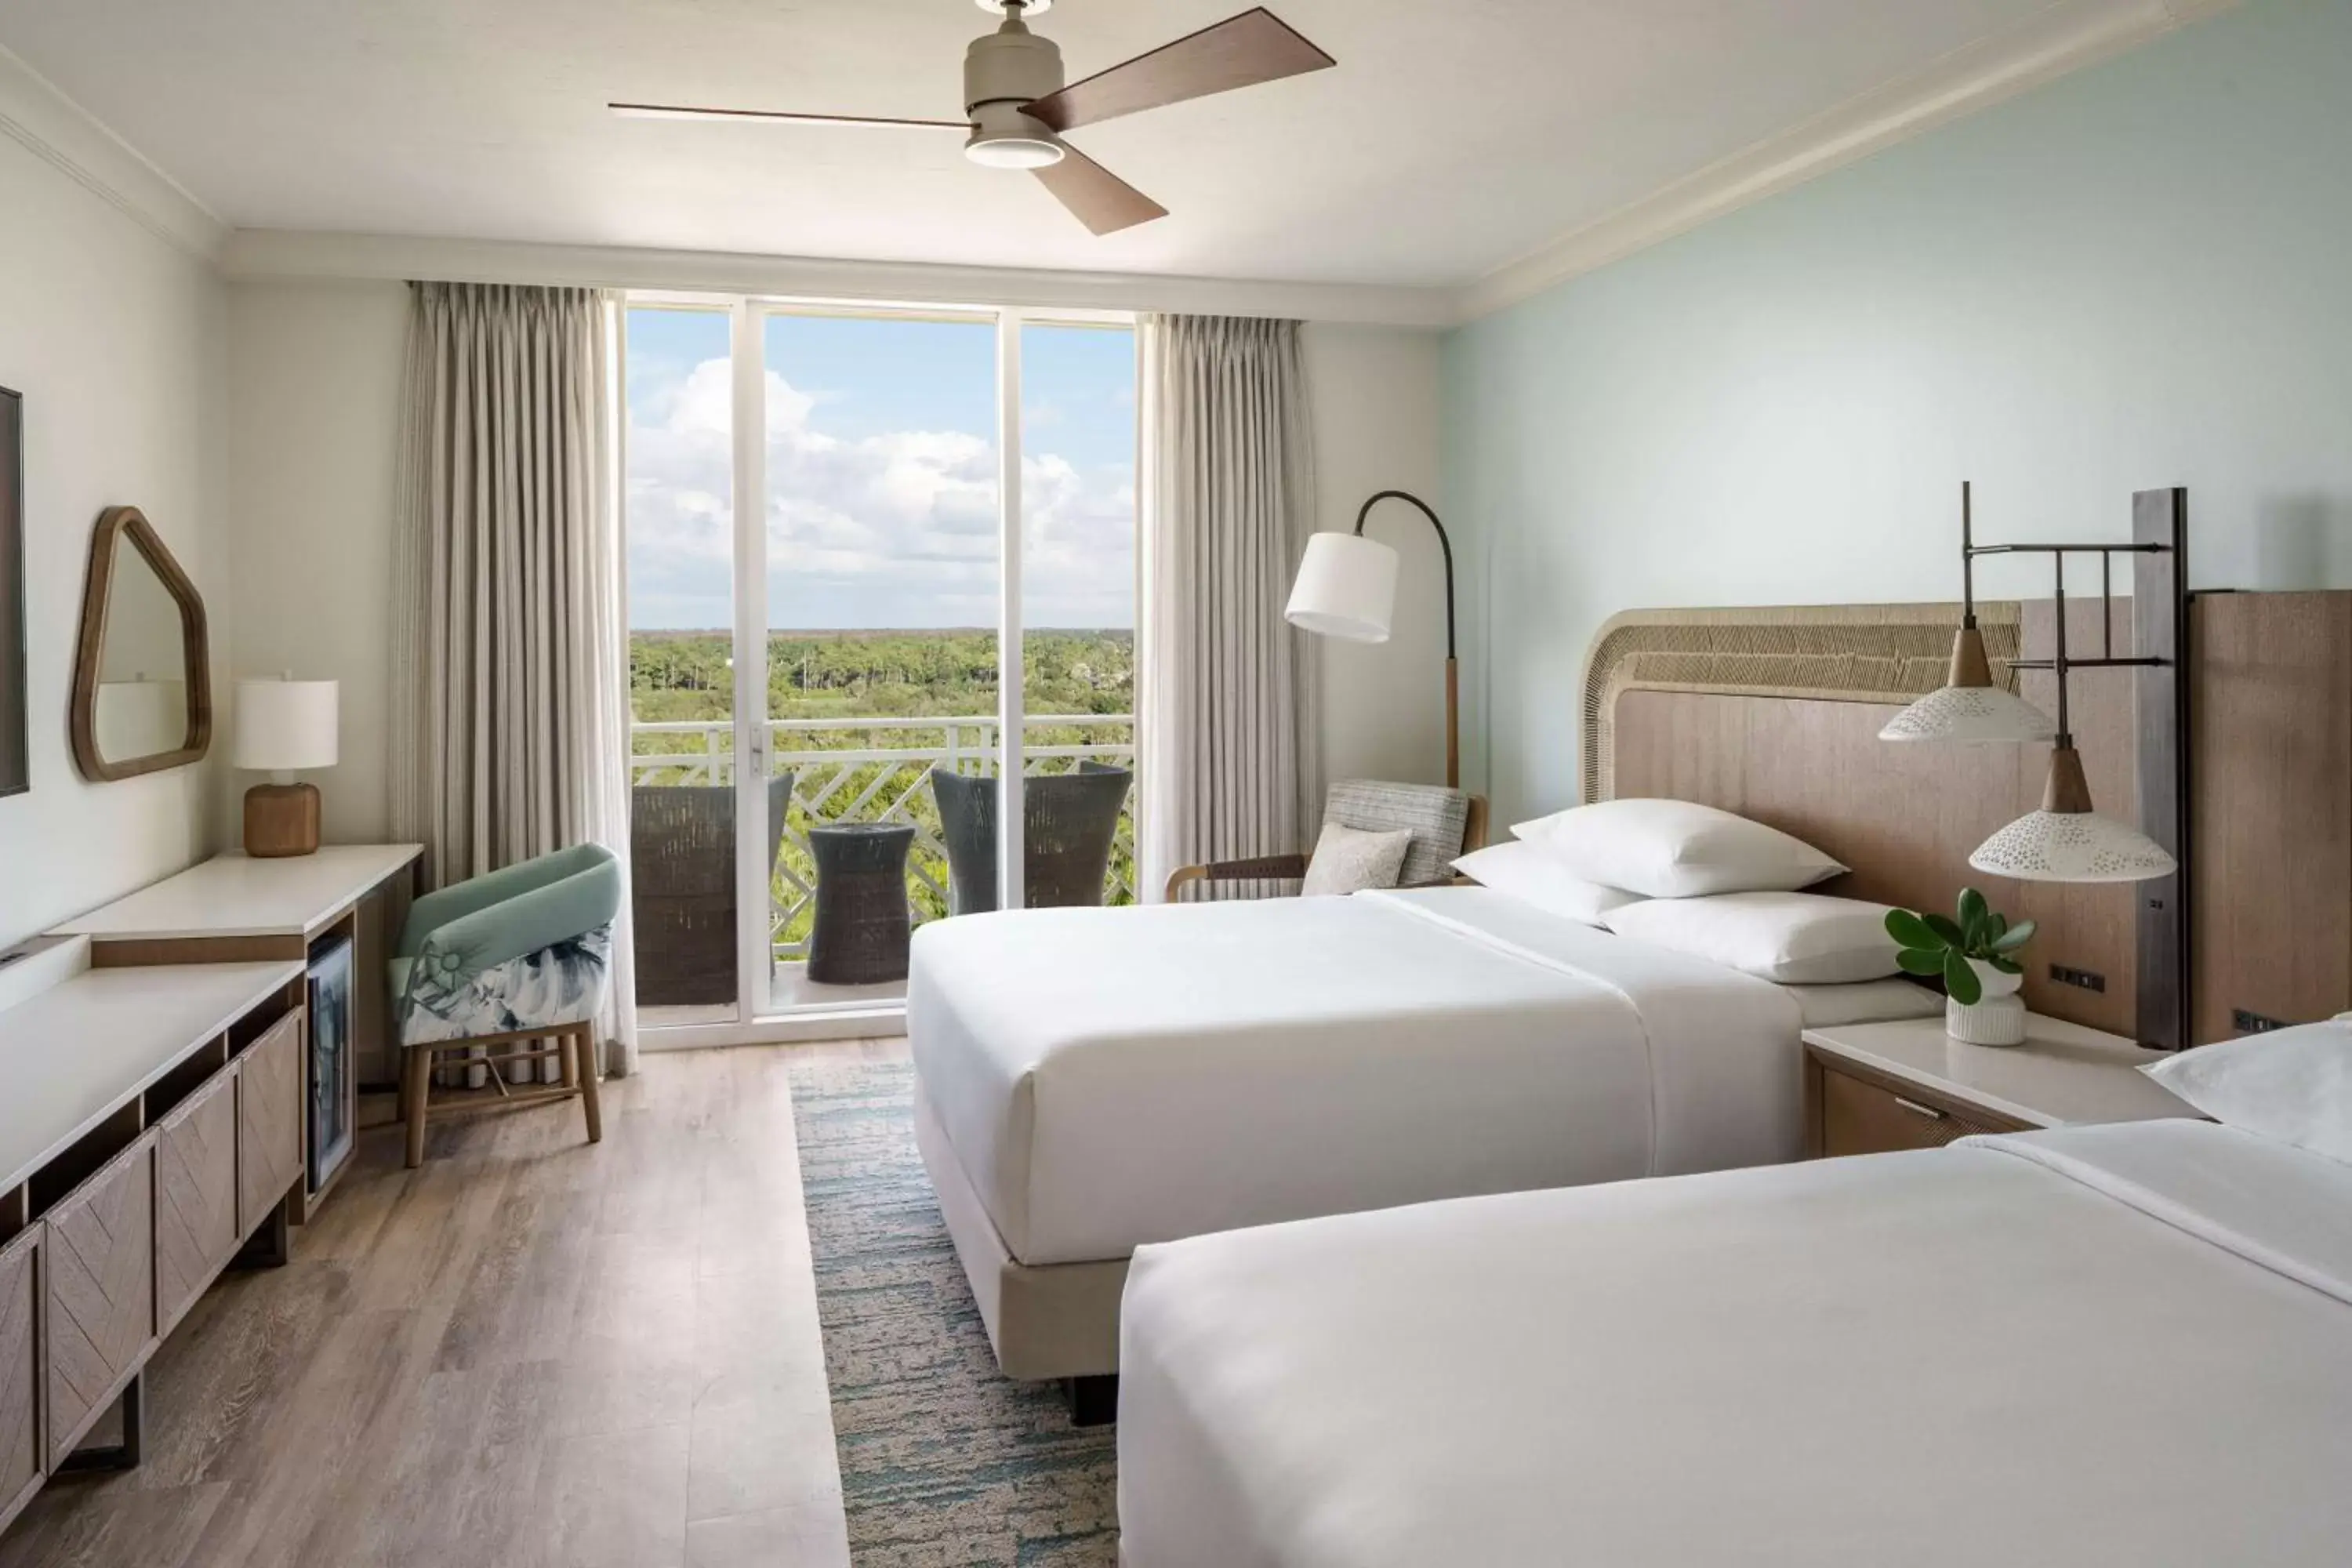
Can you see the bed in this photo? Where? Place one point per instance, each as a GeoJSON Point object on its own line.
{"type": "Point", "coordinates": [1090, 1081]}
{"type": "Point", "coordinates": [2114, 1345]}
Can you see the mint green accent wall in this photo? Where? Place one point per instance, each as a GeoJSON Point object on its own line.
{"type": "Point", "coordinates": [2135, 277]}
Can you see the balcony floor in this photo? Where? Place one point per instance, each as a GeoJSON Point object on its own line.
{"type": "Point", "coordinates": [790, 990]}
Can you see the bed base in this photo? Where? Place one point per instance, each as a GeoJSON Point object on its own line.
{"type": "Point", "coordinates": [1053, 1323]}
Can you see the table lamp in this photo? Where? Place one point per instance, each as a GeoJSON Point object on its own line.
{"type": "Point", "coordinates": [283, 728]}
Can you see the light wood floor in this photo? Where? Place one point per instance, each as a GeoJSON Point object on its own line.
{"type": "Point", "coordinates": [530, 1352]}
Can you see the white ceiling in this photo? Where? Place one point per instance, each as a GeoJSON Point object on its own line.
{"type": "Point", "coordinates": [1454, 137]}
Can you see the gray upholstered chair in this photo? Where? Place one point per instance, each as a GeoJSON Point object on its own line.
{"type": "Point", "coordinates": [1445, 824]}
{"type": "Point", "coordinates": [1068, 823]}
{"type": "Point", "coordinates": [682, 888]}
{"type": "Point", "coordinates": [521, 955]}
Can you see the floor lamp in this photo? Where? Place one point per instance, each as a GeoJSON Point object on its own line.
{"type": "Point", "coordinates": [1347, 589]}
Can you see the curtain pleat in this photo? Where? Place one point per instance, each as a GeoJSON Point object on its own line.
{"type": "Point", "coordinates": [510, 647]}
{"type": "Point", "coordinates": [1227, 715]}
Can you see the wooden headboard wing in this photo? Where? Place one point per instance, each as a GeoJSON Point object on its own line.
{"type": "Point", "coordinates": [1774, 714]}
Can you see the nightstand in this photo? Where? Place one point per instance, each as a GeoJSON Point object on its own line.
{"type": "Point", "coordinates": [1872, 1088]}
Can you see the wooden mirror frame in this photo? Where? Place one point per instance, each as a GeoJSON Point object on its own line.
{"type": "Point", "coordinates": [114, 524]}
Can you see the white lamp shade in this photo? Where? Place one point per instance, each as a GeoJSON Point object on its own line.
{"type": "Point", "coordinates": [2073, 847]}
{"type": "Point", "coordinates": [285, 725]}
{"type": "Point", "coordinates": [1970, 714]}
{"type": "Point", "coordinates": [1346, 588]}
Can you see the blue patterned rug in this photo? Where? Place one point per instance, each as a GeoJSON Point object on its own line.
{"type": "Point", "coordinates": [944, 1461]}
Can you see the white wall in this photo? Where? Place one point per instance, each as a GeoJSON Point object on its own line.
{"type": "Point", "coordinates": [313, 437]}
{"type": "Point", "coordinates": [1375, 392]}
{"type": "Point", "coordinates": [116, 338]}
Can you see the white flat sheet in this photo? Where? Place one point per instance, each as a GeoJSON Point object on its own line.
{"type": "Point", "coordinates": [2126, 1345]}
{"type": "Point", "coordinates": [1110, 1077]}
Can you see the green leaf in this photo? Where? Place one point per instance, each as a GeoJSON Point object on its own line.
{"type": "Point", "coordinates": [1974, 912]}
{"type": "Point", "coordinates": [1945, 930]}
{"type": "Point", "coordinates": [1909, 931]}
{"type": "Point", "coordinates": [1927, 962]}
{"type": "Point", "coordinates": [1995, 924]}
{"type": "Point", "coordinates": [2006, 965]}
{"type": "Point", "coordinates": [2015, 937]}
{"type": "Point", "coordinates": [1960, 982]}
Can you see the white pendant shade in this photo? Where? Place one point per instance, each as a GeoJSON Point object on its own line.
{"type": "Point", "coordinates": [1970, 714]}
{"type": "Point", "coordinates": [1346, 588]}
{"type": "Point", "coordinates": [2073, 847]}
{"type": "Point", "coordinates": [284, 725]}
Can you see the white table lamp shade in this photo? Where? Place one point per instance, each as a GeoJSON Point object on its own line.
{"type": "Point", "coordinates": [1346, 588]}
{"type": "Point", "coordinates": [283, 726]}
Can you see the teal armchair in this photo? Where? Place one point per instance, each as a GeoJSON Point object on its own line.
{"type": "Point", "coordinates": [521, 955]}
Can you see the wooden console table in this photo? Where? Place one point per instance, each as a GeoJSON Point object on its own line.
{"type": "Point", "coordinates": [151, 1130]}
{"type": "Point", "coordinates": [233, 909]}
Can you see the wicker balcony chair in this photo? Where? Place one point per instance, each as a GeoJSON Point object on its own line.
{"type": "Point", "coordinates": [1068, 822]}
{"type": "Point", "coordinates": [1445, 825]}
{"type": "Point", "coordinates": [682, 888]}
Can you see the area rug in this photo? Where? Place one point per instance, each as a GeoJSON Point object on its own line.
{"type": "Point", "coordinates": [943, 1460]}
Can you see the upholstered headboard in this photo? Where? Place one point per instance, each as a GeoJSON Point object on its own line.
{"type": "Point", "coordinates": [1774, 713]}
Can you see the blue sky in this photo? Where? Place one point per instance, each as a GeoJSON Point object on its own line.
{"type": "Point", "coordinates": [881, 506]}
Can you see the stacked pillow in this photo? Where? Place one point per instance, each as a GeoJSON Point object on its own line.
{"type": "Point", "coordinates": [1695, 879]}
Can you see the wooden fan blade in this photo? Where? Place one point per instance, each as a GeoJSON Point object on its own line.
{"type": "Point", "coordinates": [775, 116]}
{"type": "Point", "coordinates": [1254, 46]}
{"type": "Point", "coordinates": [1097, 197]}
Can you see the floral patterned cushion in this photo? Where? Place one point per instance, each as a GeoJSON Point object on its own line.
{"type": "Point", "coordinates": [560, 983]}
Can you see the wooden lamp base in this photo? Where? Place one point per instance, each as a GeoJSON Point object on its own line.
{"type": "Point", "coordinates": [281, 820]}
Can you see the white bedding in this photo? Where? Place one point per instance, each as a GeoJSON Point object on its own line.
{"type": "Point", "coordinates": [1109, 1079]}
{"type": "Point", "coordinates": [2126, 1345]}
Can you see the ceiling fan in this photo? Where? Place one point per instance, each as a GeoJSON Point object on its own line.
{"type": "Point", "coordinates": [1017, 106]}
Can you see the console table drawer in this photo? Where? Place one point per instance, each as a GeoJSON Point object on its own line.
{"type": "Point", "coordinates": [20, 1363]}
{"type": "Point", "coordinates": [97, 1316]}
{"type": "Point", "coordinates": [268, 1120]}
{"type": "Point", "coordinates": [196, 1231]}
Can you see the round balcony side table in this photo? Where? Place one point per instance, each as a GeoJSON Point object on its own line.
{"type": "Point", "coordinates": [862, 930]}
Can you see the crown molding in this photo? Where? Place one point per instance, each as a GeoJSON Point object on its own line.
{"type": "Point", "coordinates": [281, 255]}
{"type": "Point", "coordinates": [2067, 38]}
{"type": "Point", "coordinates": [59, 131]}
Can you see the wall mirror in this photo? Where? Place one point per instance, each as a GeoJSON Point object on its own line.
{"type": "Point", "coordinates": [142, 697]}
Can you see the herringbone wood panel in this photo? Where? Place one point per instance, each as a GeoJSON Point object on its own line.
{"type": "Point", "coordinates": [269, 1122]}
{"type": "Point", "coordinates": [195, 1195]}
{"type": "Point", "coordinates": [99, 1262]}
{"type": "Point", "coordinates": [20, 1438]}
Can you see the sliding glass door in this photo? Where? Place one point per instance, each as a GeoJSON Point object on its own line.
{"type": "Point", "coordinates": [802, 670]}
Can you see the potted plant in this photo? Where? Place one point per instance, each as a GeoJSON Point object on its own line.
{"type": "Point", "coordinates": [1974, 955]}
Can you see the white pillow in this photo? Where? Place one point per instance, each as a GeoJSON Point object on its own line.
{"type": "Point", "coordinates": [1676, 849]}
{"type": "Point", "coordinates": [2291, 1085]}
{"type": "Point", "coordinates": [1350, 859]}
{"type": "Point", "coordinates": [1534, 875]}
{"type": "Point", "coordinates": [1796, 939]}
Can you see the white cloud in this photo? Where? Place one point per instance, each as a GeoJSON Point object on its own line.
{"type": "Point", "coordinates": [895, 529]}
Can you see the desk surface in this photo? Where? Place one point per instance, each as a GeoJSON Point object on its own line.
{"type": "Point", "coordinates": [73, 1055]}
{"type": "Point", "coordinates": [231, 895]}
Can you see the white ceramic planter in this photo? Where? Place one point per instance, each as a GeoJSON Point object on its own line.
{"type": "Point", "coordinates": [1998, 1018]}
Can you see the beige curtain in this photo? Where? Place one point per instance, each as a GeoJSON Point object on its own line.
{"type": "Point", "coordinates": [511, 719]}
{"type": "Point", "coordinates": [1228, 714]}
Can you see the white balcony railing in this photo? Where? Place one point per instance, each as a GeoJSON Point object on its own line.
{"type": "Point", "coordinates": [874, 769]}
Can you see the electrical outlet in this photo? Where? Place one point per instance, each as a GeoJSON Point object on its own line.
{"type": "Point", "coordinates": [2080, 979]}
{"type": "Point", "coordinates": [2247, 1022]}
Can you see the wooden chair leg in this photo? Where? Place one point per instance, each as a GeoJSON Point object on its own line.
{"type": "Point", "coordinates": [574, 1053]}
{"type": "Point", "coordinates": [416, 1090]}
{"type": "Point", "coordinates": [583, 1046]}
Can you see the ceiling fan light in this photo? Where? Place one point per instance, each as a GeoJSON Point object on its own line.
{"type": "Point", "coordinates": [1016, 151]}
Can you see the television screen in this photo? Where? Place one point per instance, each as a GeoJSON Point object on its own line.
{"type": "Point", "coordinates": [15, 764]}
